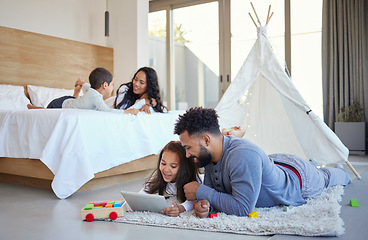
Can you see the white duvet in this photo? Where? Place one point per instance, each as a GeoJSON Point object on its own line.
{"type": "Point", "coordinates": [75, 144]}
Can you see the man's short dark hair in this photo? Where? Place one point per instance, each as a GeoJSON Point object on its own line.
{"type": "Point", "coordinates": [98, 76]}
{"type": "Point", "coordinates": [198, 120]}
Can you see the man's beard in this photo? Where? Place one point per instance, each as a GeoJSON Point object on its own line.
{"type": "Point", "coordinates": [204, 157]}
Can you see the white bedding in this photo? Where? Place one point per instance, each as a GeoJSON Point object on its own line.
{"type": "Point", "coordinates": [75, 144]}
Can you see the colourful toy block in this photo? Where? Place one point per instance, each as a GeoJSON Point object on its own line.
{"type": "Point", "coordinates": [118, 203]}
{"type": "Point", "coordinates": [100, 203]}
{"type": "Point", "coordinates": [88, 206]}
{"type": "Point", "coordinates": [109, 205]}
{"type": "Point", "coordinates": [212, 215]}
{"type": "Point", "coordinates": [354, 202]}
{"type": "Point", "coordinates": [253, 214]}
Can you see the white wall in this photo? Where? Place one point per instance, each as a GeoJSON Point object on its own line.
{"type": "Point", "coordinates": [84, 21]}
{"type": "Point", "coordinates": [128, 36]}
{"type": "Point", "coordinates": [81, 20]}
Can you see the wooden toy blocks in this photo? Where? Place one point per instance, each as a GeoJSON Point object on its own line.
{"type": "Point", "coordinates": [103, 209]}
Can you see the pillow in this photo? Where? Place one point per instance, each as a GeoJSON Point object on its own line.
{"type": "Point", "coordinates": [12, 97]}
{"type": "Point", "coordinates": [110, 101]}
{"type": "Point", "coordinates": [42, 96]}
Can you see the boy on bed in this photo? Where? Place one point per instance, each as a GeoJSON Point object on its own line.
{"type": "Point", "coordinates": [102, 85]}
{"type": "Point", "coordinates": [240, 176]}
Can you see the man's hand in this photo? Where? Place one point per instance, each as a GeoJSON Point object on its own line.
{"type": "Point", "coordinates": [202, 208]}
{"type": "Point", "coordinates": [190, 190]}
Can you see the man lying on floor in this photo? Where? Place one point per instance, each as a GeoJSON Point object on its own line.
{"type": "Point", "coordinates": [239, 176]}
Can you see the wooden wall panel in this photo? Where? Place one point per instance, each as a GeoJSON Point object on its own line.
{"type": "Point", "coordinates": [36, 59]}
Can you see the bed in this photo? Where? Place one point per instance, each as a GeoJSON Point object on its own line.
{"type": "Point", "coordinates": [69, 150]}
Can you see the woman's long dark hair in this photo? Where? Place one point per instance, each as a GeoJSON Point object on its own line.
{"type": "Point", "coordinates": [188, 172]}
{"type": "Point", "coordinates": [153, 91]}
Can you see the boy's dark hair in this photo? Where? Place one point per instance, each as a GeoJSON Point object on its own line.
{"type": "Point", "coordinates": [98, 76]}
{"type": "Point", "coordinates": [188, 172]}
{"type": "Point", "coordinates": [198, 120]}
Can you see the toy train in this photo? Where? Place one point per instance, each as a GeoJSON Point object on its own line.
{"type": "Point", "coordinates": [104, 209]}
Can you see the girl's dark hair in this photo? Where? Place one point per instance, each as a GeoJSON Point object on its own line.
{"type": "Point", "coordinates": [188, 172]}
{"type": "Point", "coordinates": [153, 91]}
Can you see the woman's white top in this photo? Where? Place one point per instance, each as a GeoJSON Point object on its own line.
{"type": "Point", "coordinates": [122, 91]}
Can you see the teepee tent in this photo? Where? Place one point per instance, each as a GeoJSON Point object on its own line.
{"type": "Point", "coordinates": [263, 100]}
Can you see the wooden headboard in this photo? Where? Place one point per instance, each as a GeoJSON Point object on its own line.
{"type": "Point", "coordinates": [34, 59]}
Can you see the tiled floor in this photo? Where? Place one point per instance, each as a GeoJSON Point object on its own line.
{"type": "Point", "coordinates": [29, 213]}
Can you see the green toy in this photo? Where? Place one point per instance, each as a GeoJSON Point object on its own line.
{"type": "Point", "coordinates": [354, 202]}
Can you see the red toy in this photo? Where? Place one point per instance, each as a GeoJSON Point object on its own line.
{"type": "Point", "coordinates": [212, 215]}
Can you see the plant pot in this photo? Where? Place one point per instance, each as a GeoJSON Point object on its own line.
{"type": "Point", "coordinates": [352, 135]}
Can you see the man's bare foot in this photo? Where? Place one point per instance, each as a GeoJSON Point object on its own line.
{"type": "Point", "coordinates": [235, 131]}
{"type": "Point", "coordinates": [30, 106]}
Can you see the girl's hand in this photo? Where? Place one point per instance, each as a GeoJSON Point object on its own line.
{"type": "Point", "coordinates": [172, 211]}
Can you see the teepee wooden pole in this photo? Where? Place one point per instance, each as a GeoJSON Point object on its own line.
{"type": "Point", "coordinates": [253, 20]}
{"type": "Point", "coordinates": [353, 169]}
{"type": "Point", "coordinates": [255, 13]}
{"type": "Point", "coordinates": [270, 18]}
{"type": "Point", "coordinates": [268, 14]}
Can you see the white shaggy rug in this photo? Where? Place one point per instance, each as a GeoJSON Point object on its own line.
{"type": "Point", "coordinates": [318, 217]}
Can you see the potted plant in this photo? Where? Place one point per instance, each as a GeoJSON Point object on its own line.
{"type": "Point", "coordinates": [351, 128]}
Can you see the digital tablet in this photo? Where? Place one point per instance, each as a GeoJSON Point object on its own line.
{"type": "Point", "coordinates": [145, 202]}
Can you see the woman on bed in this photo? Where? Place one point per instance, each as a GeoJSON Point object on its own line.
{"type": "Point", "coordinates": [143, 92]}
{"type": "Point", "coordinates": [173, 171]}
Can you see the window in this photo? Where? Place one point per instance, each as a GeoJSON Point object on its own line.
{"type": "Point", "coordinates": [157, 48]}
{"type": "Point", "coordinates": [306, 52]}
{"type": "Point", "coordinates": [197, 52]}
{"type": "Point", "coordinates": [197, 55]}
{"type": "Point", "coordinates": [244, 32]}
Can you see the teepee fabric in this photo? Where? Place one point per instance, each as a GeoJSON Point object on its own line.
{"type": "Point", "coordinates": [263, 101]}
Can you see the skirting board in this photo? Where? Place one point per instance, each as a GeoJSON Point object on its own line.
{"type": "Point", "coordinates": [92, 184]}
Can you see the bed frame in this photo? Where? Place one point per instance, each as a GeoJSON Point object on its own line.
{"type": "Point", "coordinates": [34, 59]}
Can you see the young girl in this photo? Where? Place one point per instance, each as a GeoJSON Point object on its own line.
{"type": "Point", "coordinates": [143, 92]}
{"type": "Point", "coordinates": [173, 171]}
